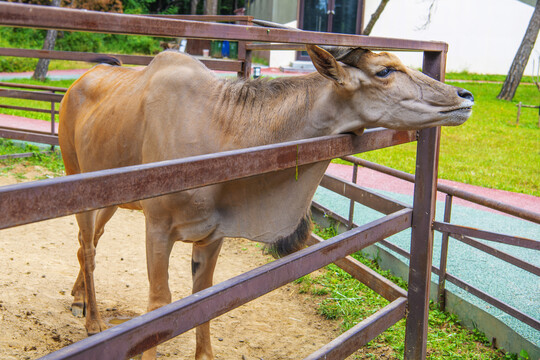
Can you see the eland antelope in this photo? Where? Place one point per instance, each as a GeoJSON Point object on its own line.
{"type": "Point", "coordinates": [175, 107]}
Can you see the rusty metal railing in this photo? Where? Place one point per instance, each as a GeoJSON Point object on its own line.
{"type": "Point", "coordinates": [460, 233]}
{"type": "Point", "coordinates": [29, 202]}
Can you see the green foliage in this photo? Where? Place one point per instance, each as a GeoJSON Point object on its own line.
{"type": "Point", "coordinates": [51, 161]}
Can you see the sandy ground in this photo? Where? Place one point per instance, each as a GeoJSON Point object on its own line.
{"type": "Point", "coordinates": [38, 266]}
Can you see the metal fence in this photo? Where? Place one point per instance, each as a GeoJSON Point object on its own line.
{"type": "Point", "coordinates": [35, 201]}
{"type": "Point", "coordinates": [460, 233]}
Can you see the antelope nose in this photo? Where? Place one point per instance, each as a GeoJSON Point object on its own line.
{"type": "Point", "coordinates": [466, 94]}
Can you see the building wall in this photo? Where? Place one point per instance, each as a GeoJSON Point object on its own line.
{"type": "Point", "coordinates": [279, 11]}
{"type": "Point", "coordinates": [483, 35]}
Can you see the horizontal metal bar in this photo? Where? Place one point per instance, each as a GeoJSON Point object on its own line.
{"type": "Point", "coordinates": [22, 203]}
{"type": "Point", "coordinates": [265, 46]}
{"type": "Point", "coordinates": [213, 18]}
{"type": "Point", "coordinates": [380, 203]}
{"type": "Point", "coordinates": [534, 323]}
{"type": "Point", "coordinates": [362, 333]}
{"type": "Point", "coordinates": [473, 290]}
{"type": "Point", "coordinates": [396, 249]}
{"type": "Point", "coordinates": [41, 138]}
{"type": "Point", "coordinates": [29, 86]}
{"type": "Point", "coordinates": [22, 155]}
{"type": "Point", "coordinates": [16, 156]}
{"type": "Point", "coordinates": [132, 337]}
{"type": "Point", "coordinates": [12, 107]}
{"type": "Point", "coordinates": [214, 64]}
{"type": "Point", "coordinates": [486, 235]}
{"type": "Point", "coordinates": [465, 195]}
{"type": "Point", "coordinates": [329, 213]}
{"type": "Point", "coordinates": [47, 17]}
{"type": "Point", "coordinates": [31, 95]}
{"type": "Point", "coordinates": [498, 254]}
{"type": "Point", "coordinates": [365, 275]}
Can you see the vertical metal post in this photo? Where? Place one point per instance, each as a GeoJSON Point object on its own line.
{"type": "Point", "coordinates": [52, 117]}
{"type": "Point", "coordinates": [518, 113]}
{"type": "Point", "coordinates": [244, 55]}
{"type": "Point", "coordinates": [351, 205]}
{"type": "Point", "coordinates": [444, 253]}
{"type": "Point", "coordinates": [425, 188]}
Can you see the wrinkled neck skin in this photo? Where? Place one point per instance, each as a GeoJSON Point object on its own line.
{"type": "Point", "coordinates": [294, 108]}
{"type": "Point", "coordinates": [275, 207]}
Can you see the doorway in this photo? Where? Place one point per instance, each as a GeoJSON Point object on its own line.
{"type": "Point", "coordinates": [337, 16]}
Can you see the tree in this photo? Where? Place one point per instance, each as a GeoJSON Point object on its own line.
{"type": "Point", "coordinates": [194, 4]}
{"type": "Point", "coordinates": [374, 17]}
{"type": "Point", "coordinates": [43, 64]}
{"type": "Point", "coordinates": [522, 57]}
{"type": "Point", "coordinates": [210, 7]}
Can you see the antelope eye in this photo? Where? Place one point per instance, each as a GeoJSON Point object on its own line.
{"type": "Point", "coordinates": [385, 72]}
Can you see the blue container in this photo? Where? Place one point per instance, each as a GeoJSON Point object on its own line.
{"type": "Point", "coordinates": [225, 49]}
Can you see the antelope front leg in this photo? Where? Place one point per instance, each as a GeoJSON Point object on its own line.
{"type": "Point", "coordinates": [158, 250]}
{"type": "Point", "coordinates": [203, 263]}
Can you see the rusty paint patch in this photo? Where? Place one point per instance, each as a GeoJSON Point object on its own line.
{"type": "Point", "coordinates": [149, 342]}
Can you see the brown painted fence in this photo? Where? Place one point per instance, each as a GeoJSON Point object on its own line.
{"type": "Point", "coordinates": [460, 233]}
{"type": "Point", "coordinates": [35, 201]}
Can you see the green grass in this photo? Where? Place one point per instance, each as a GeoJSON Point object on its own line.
{"type": "Point", "coordinates": [49, 160]}
{"type": "Point", "coordinates": [489, 150]}
{"type": "Point", "coordinates": [345, 299]}
{"type": "Point", "coordinates": [464, 75]}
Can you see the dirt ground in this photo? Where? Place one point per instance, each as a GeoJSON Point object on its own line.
{"type": "Point", "coordinates": [38, 266]}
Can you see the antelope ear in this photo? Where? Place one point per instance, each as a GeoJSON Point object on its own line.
{"type": "Point", "coordinates": [326, 64]}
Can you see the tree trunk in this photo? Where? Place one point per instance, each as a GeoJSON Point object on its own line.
{"type": "Point", "coordinates": [374, 17]}
{"type": "Point", "coordinates": [210, 7]}
{"type": "Point", "coordinates": [42, 66]}
{"type": "Point", "coordinates": [194, 4]}
{"type": "Point", "coordinates": [522, 56]}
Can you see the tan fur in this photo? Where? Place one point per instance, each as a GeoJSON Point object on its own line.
{"type": "Point", "coordinates": [175, 107]}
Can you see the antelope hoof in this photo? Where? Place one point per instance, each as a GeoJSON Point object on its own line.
{"type": "Point", "coordinates": [95, 327]}
{"type": "Point", "coordinates": [78, 309]}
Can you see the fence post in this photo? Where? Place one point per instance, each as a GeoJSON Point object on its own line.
{"type": "Point", "coordinates": [244, 55]}
{"type": "Point", "coordinates": [351, 205]}
{"type": "Point", "coordinates": [518, 113]}
{"type": "Point", "coordinates": [425, 188]}
{"type": "Point", "coordinates": [444, 253]}
{"type": "Point", "coordinates": [53, 106]}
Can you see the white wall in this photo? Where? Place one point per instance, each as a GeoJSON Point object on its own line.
{"type": "Point", "coordinates": [283, 58]}
{"type": "Point", "coordinates": [483, 35]}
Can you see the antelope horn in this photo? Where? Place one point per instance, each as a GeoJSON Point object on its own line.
{"type": "Point", "coordinates": [347, 55]}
